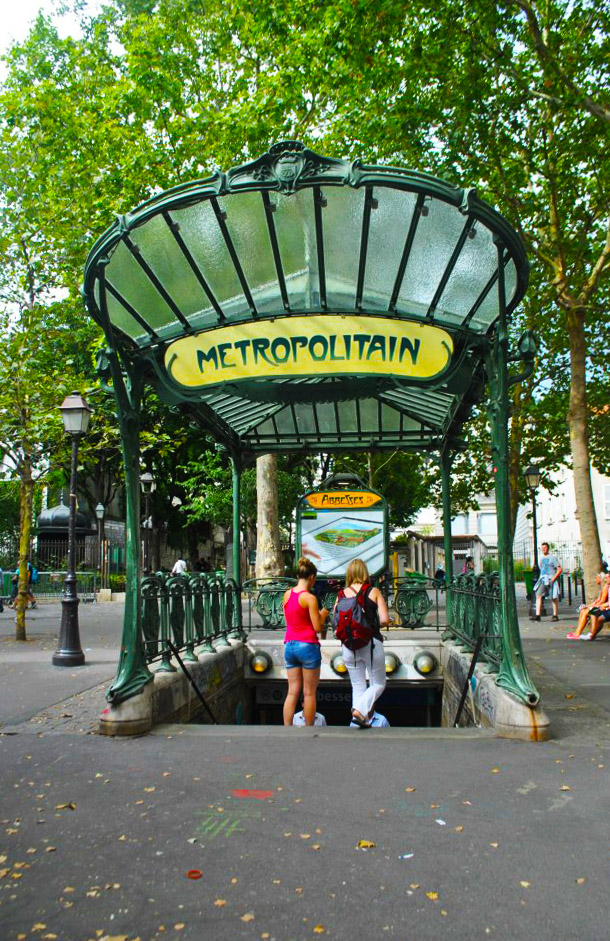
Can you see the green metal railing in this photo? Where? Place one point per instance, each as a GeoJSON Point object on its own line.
{"type": "Point", "coordinates": [189, 611]}
{"type": "Point", "coordinates": [410, 601]}
{"type": "Point", "coordinates": [476, 613]}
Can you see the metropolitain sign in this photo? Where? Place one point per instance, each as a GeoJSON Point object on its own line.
{"type": "Point", "coordinates": [310, 346]}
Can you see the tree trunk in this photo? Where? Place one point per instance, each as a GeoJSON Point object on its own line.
{"type": "Point", "coordinates": [577, 421]}
{"type": "Point", "coordinates": [268, 546]}
{"type": "Point", "coordinates": [26, 488]}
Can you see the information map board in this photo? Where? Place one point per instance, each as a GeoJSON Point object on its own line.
{"type": "Point", "coordinates": [336, 526]}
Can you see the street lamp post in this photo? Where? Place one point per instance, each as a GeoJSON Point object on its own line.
{"type": "Point", "coordinates": [532, 479]}
{"type": "Point", "coordinates": [75, 413]}
{"type": "Point", "coordinates": [99, 512]}
{"type": "Point", "coordinates": [148, 485]}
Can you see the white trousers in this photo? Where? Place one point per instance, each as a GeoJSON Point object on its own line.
{"type": "Point", "coordinates": [358, 663]}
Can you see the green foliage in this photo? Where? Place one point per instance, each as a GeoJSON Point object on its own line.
{"type": "Point", "coordinates": [509, 97]}
{"type": "Point", "coordinates": [401, 478]}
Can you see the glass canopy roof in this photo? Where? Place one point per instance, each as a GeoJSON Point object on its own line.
{"type": "Point", "coordinates": [250, 253]}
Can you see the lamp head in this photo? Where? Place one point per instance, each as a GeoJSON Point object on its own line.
{"type": "Point", "coordinates": [532, 477]}
{"type": "Point", "coordinates": [147, 482]}
{"type": "Point", "coordinates": [75, 413]}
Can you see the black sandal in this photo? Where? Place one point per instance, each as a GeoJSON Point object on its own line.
{"type": "Point", "coordinates": [360, 722]}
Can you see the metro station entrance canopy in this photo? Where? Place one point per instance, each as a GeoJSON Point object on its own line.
{"type": "Point", "coordinates": [304, 303]}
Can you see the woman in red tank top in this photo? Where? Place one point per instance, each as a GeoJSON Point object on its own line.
{"type": "Point", "coordinates": [302, 655]}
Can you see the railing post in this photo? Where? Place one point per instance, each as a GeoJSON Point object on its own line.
{"type": "Point", "coordinates": [207, 646]}
{"type": "Point", "coordinates": [166, 655]}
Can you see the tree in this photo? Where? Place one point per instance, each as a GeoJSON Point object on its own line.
{"type": "Point", "coordinates": [509, 96]}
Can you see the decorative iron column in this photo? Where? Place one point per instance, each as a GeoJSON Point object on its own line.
{"type": "Point", "coordinates": [513, 674]}
{"type": "Point", "coordinates": [446, 461]}
{"type": "Point", "coordinates": [132, 671]}
{"type": "Point", "coordinates": [236, 633]}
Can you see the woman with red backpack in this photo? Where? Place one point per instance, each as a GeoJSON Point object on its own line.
{"type": "Point", "coordinates": [302, 654]}
{"type": "Point", "coordinates": [358, 615]}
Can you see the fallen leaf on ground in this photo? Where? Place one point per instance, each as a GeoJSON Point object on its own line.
{"type": "Point", "coordinates": [69, 806]}
{"type": "Point", "coordinates": [569, 695]}
{"type": "Point", "coordinates": [305, 836]}
{"type": "Point", "coordinates": [178, 927]}
{"type": "Point", "coordinates": [525, 884]}
{"type": "Point", "coordinates": [410, 790]}
{"type": "Point", "coordinates": [234, 881]}
{"type": "Point", "coordinates": [366, 844]}
{"type": "Point", "coordinates": [148, 790]}
{"type": "Point", "coordinates": [432, 895]}
{"type": "Point", "coordinates": [319, 929]}
{"type": "Point", "coordinates": [435, 806]}
{"type": "Point", "coordinates": [495, 845]}
{"type": "Point", "coordinates": [414, 885]}
{"type": "Point", "coordinates": [315, 846]}
{"type": "Point", "coordinates": [51, 849]}
{"type": "Point", "coordinates": [565, 787]}
{"type": "Point", "coordinates": [580, 881]}
{"type": "Point", "coordinates": [220, 903]}
{"type": "Point", "coordinates": [247, 917]}
{"type": "Point", "coordinates": [458, 829]}
{"type": "Point", "coordinates": [495, 771]}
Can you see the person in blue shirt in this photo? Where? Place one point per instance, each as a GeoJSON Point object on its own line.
{"type": "Point", "coordinates": [376, 721]}
{"type": "Point", "coordinates": [548, 584]}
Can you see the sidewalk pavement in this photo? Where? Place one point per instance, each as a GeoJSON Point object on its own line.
{"type": "Point", "coordinates": [289, 834]}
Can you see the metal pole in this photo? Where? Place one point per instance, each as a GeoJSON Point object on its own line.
{"type": "Point", "coordinates": [69, 652]}
{"type": "Point", "coordinates": [535, 567]}
{"type": "Point", "coordinates": [513, 674]}
{"type": "Point", "coordinates": [446, 482]}
{"type": "Point", "coordinates": [146, 530]}
{"type": "Point", "coordinates": [236, 481]}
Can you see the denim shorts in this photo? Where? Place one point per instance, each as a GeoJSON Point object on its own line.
{"type": "Point", "coordinates": [298, 654]}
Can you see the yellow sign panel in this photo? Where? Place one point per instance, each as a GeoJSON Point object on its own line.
{"type": "Point", "coordinates": [342, 499]}
{"type": "Point", "coordinates": [310, 346]}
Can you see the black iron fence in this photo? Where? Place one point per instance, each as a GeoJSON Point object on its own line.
{"type": "Point", "coordinates": [50, 586]}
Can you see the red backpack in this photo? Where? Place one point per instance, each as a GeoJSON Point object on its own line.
{"type": "Point", "coordinates": [350, 623]}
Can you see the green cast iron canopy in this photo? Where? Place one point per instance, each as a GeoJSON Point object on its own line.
{"type": "Point", "coordinates": [294, 235]}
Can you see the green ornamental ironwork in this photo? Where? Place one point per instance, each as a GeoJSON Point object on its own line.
{"type": "Point", "coordinates": [306, 303]}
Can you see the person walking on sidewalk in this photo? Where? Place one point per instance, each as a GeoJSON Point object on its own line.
{"type": "Point", "coordinates": [180, 567]}
{"type": "Point", "coordinates": [548, 583]}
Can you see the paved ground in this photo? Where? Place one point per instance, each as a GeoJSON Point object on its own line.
{"type": "Point", "coordinates": [474, 837]}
